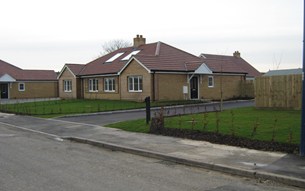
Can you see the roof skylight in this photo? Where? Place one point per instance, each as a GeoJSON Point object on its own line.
{"type": "Point", "coordinates": [131, 54]}
{"type": "Point", "coordinates": [115, 57]}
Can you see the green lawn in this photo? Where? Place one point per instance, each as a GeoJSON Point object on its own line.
{"type": "Point", "coordinates": [282, 126]}
{"type": "Point", "coordinates": [66, 107]}
{"type": "Point", "coordinates": [138, 126]}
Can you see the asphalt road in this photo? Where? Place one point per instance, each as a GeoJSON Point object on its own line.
{"type": "Point", "coordinates": [32, 162]}
{"type": "Point", "coordinates": [103, 119]}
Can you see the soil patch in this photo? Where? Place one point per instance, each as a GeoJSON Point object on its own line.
{"type": "Point", "coordinates": [217, 138]}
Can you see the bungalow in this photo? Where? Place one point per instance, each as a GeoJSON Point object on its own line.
{"type": "Point", "coordinates": [16, 83]}
{"type": "Point", "coordinates": [158, 70]}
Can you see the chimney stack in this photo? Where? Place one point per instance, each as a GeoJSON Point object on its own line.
{"type": "Point", "coordinates": [138, 41]}
{"type": "Point", "coordinates": [236, 54]}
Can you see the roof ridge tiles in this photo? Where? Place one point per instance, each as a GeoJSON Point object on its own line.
{"type": "Point", "coordinates": [75, 64]}
{"type": "Point", "coordinates": [219, 55]}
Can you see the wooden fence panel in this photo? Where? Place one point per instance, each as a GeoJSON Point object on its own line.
{"type": "Point", "coordinates": [278, 91]}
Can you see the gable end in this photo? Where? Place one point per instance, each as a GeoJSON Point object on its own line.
{"type": "Point", "coordinates": [130, 60]}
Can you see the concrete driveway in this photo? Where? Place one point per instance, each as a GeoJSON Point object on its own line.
{"type": "Point", "coordinates": [13, 101]}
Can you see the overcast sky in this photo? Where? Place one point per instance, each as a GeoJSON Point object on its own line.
{"type": "Point", "coordinates": [46, 34]}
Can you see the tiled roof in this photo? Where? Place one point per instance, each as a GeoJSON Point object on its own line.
{"type": "Point", "coordinates": [37, 75]}
{"type": "Point", "coordinates": [6, 68]}
{"type": "Point", "coordinates": [75, 68]}
{"type": "Point", "coordinates": [229, 64]}
{"type": "Point", "coordinates": [163, 57]}
{"type": "Point", "coordinates": [284, 72]}
{"type": "Point", "coordinates": [156, 56]}
{"type": "Point", "coordinates": [31, 75]}
{"type": "Point", "coordinates": [100, 66]}
{"type": "Point", "coordinates": [168, 58]}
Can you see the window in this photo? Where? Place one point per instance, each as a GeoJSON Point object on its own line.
{"type": "Point", "coordinates": [131, 54]}
{"type": "Point", "coordinates": [210, 81]}
{"type": "Point", "coordinates": [109, 84]}
{"type": "Point", "coordinates": [115, 57]}
{"type": "Point", "coordinates": [67, 85]}
{"type": "Point", "coordinates": [21, 87]}
{"type": "Point", "coordinates": [93, 85]}
{"type": "Point", "coordinates": [135, 84]}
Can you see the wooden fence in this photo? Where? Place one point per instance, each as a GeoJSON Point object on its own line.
{"type": "Point", "coordinates": [279, 92]}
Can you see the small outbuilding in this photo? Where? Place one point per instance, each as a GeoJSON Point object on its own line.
{"type": "Point", "coordinates": [16, 83]}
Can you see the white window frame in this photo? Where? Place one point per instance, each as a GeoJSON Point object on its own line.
{"type": "Point", "coordinates": [131, 54]}
{"type": "Point", "coordinates": [114, 57]}
{"type": "Point", "coordinates": [21, 89]}
{"type": "Point", "coordinates": [211, 85]}
{"type": "Point", "coordinates": [132, 86]}
{"type": "Point", "coordinates": [93, 85]}
{"type": "Point", "coordinates": [109, 87]}
{"type": "Point", "coordinates": [67, 85]}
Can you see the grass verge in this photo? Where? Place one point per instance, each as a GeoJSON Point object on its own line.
{"type": "Point", "coordinates": [138, 126]}
{"type": "Point", "coordinates": [57, 108]}
{"type": "Point", "coordinates": [257, 124]}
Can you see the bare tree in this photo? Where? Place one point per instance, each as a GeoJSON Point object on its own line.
{"type": "Point", "coordinates": [114, 45]}
{"type": "Point", "coordinates": [277, 62]}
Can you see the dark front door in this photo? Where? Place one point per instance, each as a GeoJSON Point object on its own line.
{"type": "Point", "coordinates": [3, 91]}
{"type": "Point", "coordinates": [194, 87]}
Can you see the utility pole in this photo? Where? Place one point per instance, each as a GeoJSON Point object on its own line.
{"type": "Point", "coordinates": [302, 144]}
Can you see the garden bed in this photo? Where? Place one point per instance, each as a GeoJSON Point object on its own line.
{"type": "Point", "coordinates": [230, 140]}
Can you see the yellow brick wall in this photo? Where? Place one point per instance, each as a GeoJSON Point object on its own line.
{"type": "Point", "coordinates": [135, 69]}
{"type": "Point", "coordinates": [230, 87]}
{"type": "Point", "coordinates": [101, 94]}
{"type": "Point", "coordinates": [170, 86]}
{"type": "Point", "coordinates": [67, 75]}
{"type": "Point", "coordinates": [166, 86]}
{"type": "Point", "coordinates": [34, 90]}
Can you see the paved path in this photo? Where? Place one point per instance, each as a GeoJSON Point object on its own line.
{"type": "Point", "coordinates": [31, 162]}
{"type": "Point", "coordinates": [13, 101]}
{"type": "Point", "coordinates": [285, 168]}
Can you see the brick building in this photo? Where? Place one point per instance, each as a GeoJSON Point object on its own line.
{"type": "Point", "coordinates": [158, 70]}
{"type": "Point", "coordinates": [16, 83]}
